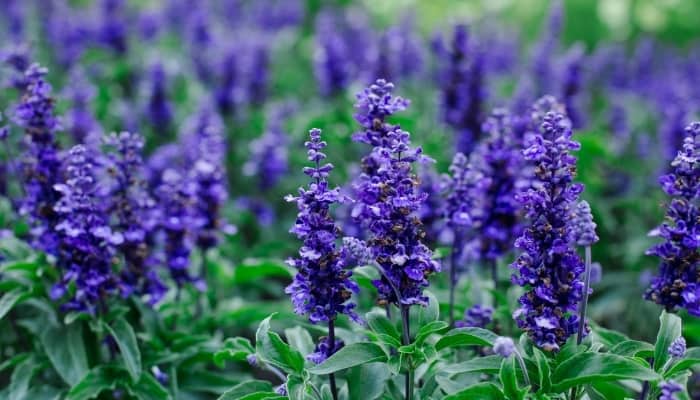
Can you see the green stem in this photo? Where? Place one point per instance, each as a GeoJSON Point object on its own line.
{"type": "Point", "coordinates": [406, 330]}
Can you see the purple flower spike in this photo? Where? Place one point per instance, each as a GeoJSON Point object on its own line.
{"type": "Point", "coordinates": [583, 225]}
{"type": "Point", "coordinates": [477, 316]}
{"type": "Point", "coordinates": [677, 285]}
{"type": "Point", "coordinates": [322, 286]}
{"type": "Point", "coordinates": [388, 200]}
{"type": "Point", "coordinates": [549, 268]}
{"type": "Point", "coordinates": [669, 390]}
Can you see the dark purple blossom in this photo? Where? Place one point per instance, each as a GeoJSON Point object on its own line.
{"type": "Point", "coordinates": [257, 73]}
{"type": "Point", "coordinates": [545, 50]}
{"type": "Point", "coordinates": [669, 389]}
{"type": "Point", "coordinates": [135, 212]}
{"type": "Point", "coordinates": [79, 121]}
{"type": "Point", "coordinates": [86, 242]}
{"type": "Point", "coordinates": [323, 350]}
{"type": "Point", "coordinates": [677, 348]}
{"type": "Point", "coordinates": [677, 284]}
{"type": "Point", "coordinates": [159, 109]}
{"type": "Point", "coordinates": [41, 166]}
{"type": "Point", "coordinates": [227, 93]}
{"type": "Point", "coordinates": [268, 161]}
{"type": "Point", "coordinates": [399, 53]}
{"type": "Point", "coordinates": [432, 211]}
{"type": "Point", "coordinates": [332, 57]}
{"type": "Point", "coordinates": [463, 89]}
{"type": "Point", "coordinates": [322, 286]}
{"type": "Point", "coordinates": [178, 220]}
{"type": "Point", "coordinates": [476, 316]}
{"type": "Point", "coordinates": [388, 200]}
{"type": "Point", "coordinates": [572, 84]}
{"type": "Point", "coordinates": [504, 346]}
{"type": "Point", "coordinates": [112, 30]}
{"type": "Point", "coordinates": [549, 268]}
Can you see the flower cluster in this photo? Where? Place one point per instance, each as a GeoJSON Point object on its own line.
{"type": "Point", "coordinates": [322, 286]}
{"type": "Point", "coordinates": [549, 267]}
{"type": "Point", "coordinates": [677, 348]}
{"type": "Point", "coordinates": [323, 350]}
{"type": "Point", "coordinates": [135, 212]}
{"type": "Point", "coordinates": [268, 160]}
{"type": "Point", "coordinates": [159, 109]}
{"type": "Point", "coordinates": [42, 165]}
{"type": "Point", "coordinates": [669, 389]}
{"type": "Point", "coordinates": [86, 242]}
{"type": "Point", "coordinates": [388, 200]}
{"type": "Point", "coordinates": [583, 225]}
{"type": "Point", "coordinates": [476, 316]}
{"type": "Point", "coordinates": [677, 285]}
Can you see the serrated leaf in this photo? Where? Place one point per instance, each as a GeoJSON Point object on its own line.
{"type": "Point", "coordinates": [469, 336]}
{"type": "Point", "coordinates": [481, 391]}
{"type": "Point", "coordinates": [271, 349]}
{"type": "Point", "coordinates": [488, 365]}
{"type": "Point", "coordinates": [125, 338]}
{"type": "Point", "coordinates": [669, 331]}
{"type": "Point", "coordinates": [350, 356]}
{"type": "Point", "coordinates": [589, 367]}
{"type": "Point", "coordinates": [66, 350]}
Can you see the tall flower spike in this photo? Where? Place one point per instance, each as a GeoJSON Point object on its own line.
{"type": "Point", "coordinates": [159, 109]}
{"type": "Point", "coordinates": [677, 285]}
{"type": "Point", "coordinates": [85, 239]}
{"type": "Point", "coordinates": [268, 161]}
{"type": "Point", "coordinates": [41, 164]}
{"type": "Point", "coordinates": [549, 268]}
{"type": "Point", "coordinates": [322, 286]}
{"type": "Point", "coordinates": [583, 225]}
{"type": "Point", "coordinates": [388, 200]}
{"type": "Point", "coordinates": [332, 56]}
{"type": "Point", "coordinates": [134, 209]}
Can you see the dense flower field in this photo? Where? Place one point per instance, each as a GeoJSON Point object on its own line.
{"type": "Point", "coordinates": [272, 199]}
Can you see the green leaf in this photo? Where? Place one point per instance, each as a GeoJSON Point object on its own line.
{"type": "Point", "coordinates": [669, 331]}
{"type": "Point", "coordinates": [608, 337]}
{"type": "Point", "coordinates": [298, 389]}
{"type": "Point", "coordinates": [65, 348]}
{"type": "Point", "coordinates": [488, 365]}
{"type": "Point", "coordinates": [373, 378]}
{"type": "Point", "coordinates": [431, 312]}
{"type": "Point", "coordinates": [253, 270]}
{"type": "Point", "coordinates": [481, 391]}
{"type": "Point", "coordinates": [633, 348]}
{"type": "Point", "coordinates": [10, 299]}
{"type": "Point", "coordinates": [124, 335]}
{"type": "Point", "coordinates": [273, 350]}
{"type": "Point", "coordinates": [426, 330]}
{"type": "Point", "coordinates": [350, 356]}
{"type": "Point", "coordinates": [246, 388]}
{"type": "Point", "coordinates": [509, 380]}
{"type": "Point", "coordinates": [21, 376]}
{"type": "Point", "coordinates": [236, 349]}
{"type": "Point", "coordinates": [200, 380]}
{"type": "Point", "coordinates": [148, 388]}
{"type": "Point", "coordinates": [691, 359]}
{"type": "Point", "coordinates": [380, 324]}
{"type": "Point", "coordinates": [96, 381]}
{"type": "Point", "coordinates": [585, 368]}
{"type": "Point", "coordinates": [300, 339]}
{"type": "Point", "coordinates": [469, 336]}
{"type": "Point", "coordinates": [607, 390]}
{"type": "Point", "coordinates": [543, 370]}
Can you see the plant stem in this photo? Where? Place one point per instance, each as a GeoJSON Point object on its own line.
{"type": "Point", "coordinates": [454, 258]}
{"type": "Point", "coordinates": [494, 275]}
{"type": "Point", "coordinates": [331, 342]}
{"type": "Point", "coordinates": [584, 303]}
{"type": "Point", "coordinates": [406, 330]}
{"type": "Point", "coordinates": [521, 362]}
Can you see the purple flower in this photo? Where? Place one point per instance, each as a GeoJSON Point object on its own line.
{"type": "Point", "coordinates": [332, 56]}
{"type": "Point", "coordinates": [134, 209]}
{"type": "Point", "coordinates": [572, 82]}
{"type": "Point", "coordinates": [399, 52]}
{"type": "Point", "coordinates": [41, 166]}
{"type": "Point", "coordinates": [356, 251]}
{"type": "Point", "coordinates": [583, 225]}
{"type": "Point", "coordinates": [677, 348]}
{"type": "Point", "coordinates": [432, 211]}
{"type": "Point", "coordinates": [178, 220]}
{"type": "Point", "coordinates": [545, 50]}
{"type": "Point", "coordinates": [268, 161]}
{"type": "Point", "coordinates": [323, 350]}
{"type": "Point", "coordinates": [227, 94]}
{"type": "Point", "coordinates": [257, 74]}
{"type": "Point", "coordinates": [388, 200]}
{"type": "Point", "coordinates": [86, 242]}
{"type": "Point", "coordinates": [549, 268]}
{"type": "Point", "coordinates": [322, 287]}
{"type": "Point", "coordinates": [669, 389]}
{"type": "Point", "coordinates": [477, 316]}
{"type": "Point", "coordinates": [676, 285]}
{"type": "Point", "coordinates": [504, 346]}
{"type": "Point", "coordinates": [159, 110]}
{"type": "Point", "coordinates": [80, 121]}
{"type": "Point", "coordinates": [463, 89]}
{"type": "Point", "coordinates": [113, 25]}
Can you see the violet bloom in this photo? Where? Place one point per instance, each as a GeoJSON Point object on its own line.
{"type": "Point", "coordinates": [332, 57]}
{"type": "Point", "coordinates": [463, 89]}
{"type": "Point", "coordinates": [41, 164]}
{"type": "Point", "coordinates": [85, 239]}
{"type": "Point", "coordinates": [677, 348]}
{"type": "Point", "coordinates": [159, 108]}
{"type": "Point", "coordinates": [677, 284]}
{"type": "Point", "coordinates": [134, 209]}
{"type": "Point", "coordinates": [268, 161]}
{"type": "Point", "coordinates": [669, 389]}
{"type": "Point", "coordinates": [227, 92]}
{"type": "Point", "coordinates": [323, 350]}
{"type": "Point", "coordinates": [322, 286]}
{"type": "Point", "coordinates": [477, 316]}
{"type": "Point", "coordinates": [572, 82]}
{"type": "Point", "coordinates": [257, 74]}
{"type": "Point", "coordinates": [546, 48]}
{"type": "Point", "coordinates": [549, 268]}
{"type": "Point", "coordinates": [583, 225]}
{"type": "Point", "coordinates": [389, 200]}
{"type": "Point", "coordinates": [399, 53]}
{"type": "Point", "coordinates": [80, 122]}
{"type": "Point", "coordinates": [432, 211]}
{"type": "Point", "coordinates": [113, 25]}
{"type": "Point", "coordinates": [176, 196]}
